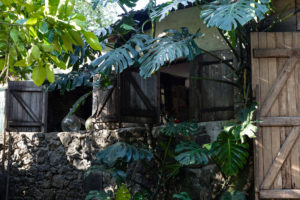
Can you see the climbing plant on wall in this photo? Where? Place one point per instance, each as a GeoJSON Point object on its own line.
{"type": "Point", "coordinates": [34, 33]}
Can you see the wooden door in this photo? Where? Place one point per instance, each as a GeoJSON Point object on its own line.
{"type": "Point", "coordinates": [26, 107]}
{"type": "Point", "coordinates": [276, 84]}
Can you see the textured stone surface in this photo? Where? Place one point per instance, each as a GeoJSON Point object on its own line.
{"type": "Point", "coordinates": [51, 166]}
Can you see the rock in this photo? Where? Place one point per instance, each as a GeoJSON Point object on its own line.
{"type": "Point", "coordinates": [58, 181]}
{"type": "Point", "coordinates": [55, 158]}
{"type": "Point", "coordinates": [65, 138]}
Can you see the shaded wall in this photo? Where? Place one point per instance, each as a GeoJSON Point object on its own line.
{"type": "Point", "coordinates": [52, 165]}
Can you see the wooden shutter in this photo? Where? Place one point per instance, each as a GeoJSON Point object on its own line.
{"type": "Point", "coordinates": [26, 107]}
{"type": "Point", "coordinates": [276, 84]}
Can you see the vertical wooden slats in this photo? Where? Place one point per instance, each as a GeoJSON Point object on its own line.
{"type": "Point", "coordinates": [277, 146]}
{"type": "Point", "coordinates": [274, 111]}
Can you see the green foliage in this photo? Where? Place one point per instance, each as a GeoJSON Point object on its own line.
{"type": "Point", "coordinates": [122, 57]}
{"type": "Point", "coordinates": [183, 128]}
{"type": "Point", "coordinates": [34, 33]}
{"type": "Point", "coordinates": [163, 10]}
{"type": "Point", "coordinates": [246, 126]}
{"type": "Point", "coordinates": [99, 195]}
{"type": "Point", "coordinates": [223, 14]}
{"type": "Point", "coordinates": [79, 102]}
{"type": "Point", "coordinates": [190, 153]}
{"type": "Point", "coordinates": [233, 195]}
{"type": "Point", "coordinates": [182, 195]}
{"type": "Point", "coordinates": [230, 154]}
{"type": "Point", "coordinates": [128, 3]}
{"type": "Point", "coordinates": [123, 193]}
{"type": "Point", "coordinates": [155, 53]}
{"type": "Point", "coordinates": [121, 151]}
{"type": "Point", "coordinates": [166, 49]}
{"type": "Point", "coordinates": [227, 14]}
{"type": "Point", "coordinates": [96, 17]}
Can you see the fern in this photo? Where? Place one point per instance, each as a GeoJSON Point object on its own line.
{"type": "Point", "coordinates": [227, 14]}
{"type": "Point", "coordinates": [160, 51]}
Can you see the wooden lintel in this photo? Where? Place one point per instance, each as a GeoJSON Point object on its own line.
{"type": "Point", "coordinates": [280, 194]}
{"type": "Point", "coordinates": [276, 53]}
{"type": "Point", "coordinates": [280, 121]}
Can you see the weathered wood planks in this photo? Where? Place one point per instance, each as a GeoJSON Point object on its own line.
{"type": "Point", "coordinates": [276, 79]}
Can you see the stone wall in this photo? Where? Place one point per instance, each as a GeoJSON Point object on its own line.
{"type": "Point", "coordinates": [52, 165]}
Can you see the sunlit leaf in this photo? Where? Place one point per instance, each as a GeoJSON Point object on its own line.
{"type": "Point", "coordinates": [92, 40]}
{"type": "Point", "coordinates": [50, 73]}
{"type": "Point", "coordinates": [38, 75]}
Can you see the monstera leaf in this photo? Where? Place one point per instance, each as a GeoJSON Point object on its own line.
{"type": "Point", "coordinates": [228, 14]}
{"type": "Point", "coordinates": [183, 128]}
{"type": "Point", "coordinates": [246, 126]}
{"type": "Point", "coordinates": [229, 153]}
{"type": "Point", "coordinates": [161, 11]}
{"type": "Point", "coordinates": [122, 57]}
{"type": "Point", "coordinates": [122, 152]}
{"type": "Point", "coordinates": [191, 153]}
{"type": "Point", "coordinates": [164, 50]}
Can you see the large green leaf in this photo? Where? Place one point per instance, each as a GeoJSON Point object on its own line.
{"type": "Point", "coordinates": [163, 10]}
{"type": "Point", "coordinates": [191, 153]}
{"type": "Point", "coordinates": [50, 73]}
{"type": "Point", "coordinates": [160, 51]}
{"type": "Point", "coordinates": [38, 75]}
{"type": "Point", "coordinates": [92, 40]}
{"type": "Point", "coordinates": [228, 14]}
{"type": "Point", "coordinates": [122, 57]}
{"type": "Point", "coordinates": [229, 153]}
{"type": "Point", "coordinates": [122, 152]}
{"type": "Point", "coordinates": [182, 128]}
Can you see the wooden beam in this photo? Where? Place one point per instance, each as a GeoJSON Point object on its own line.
{"type": "Point", "coordinates": [26, 124]}
{"type": "Point", "coordinates": [280, 158]}
{"type": "Point", "coordinates": [280, 194]}
{"type": "Point", "coordinates": [280, 121]}
{"type": "Point", "coordinates": [276, 53]}
{"type": "Point", "coordinates": [277, 85]}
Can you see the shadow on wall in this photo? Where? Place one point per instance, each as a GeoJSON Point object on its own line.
{"type": "Point", "coordinates": [51, 166]}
